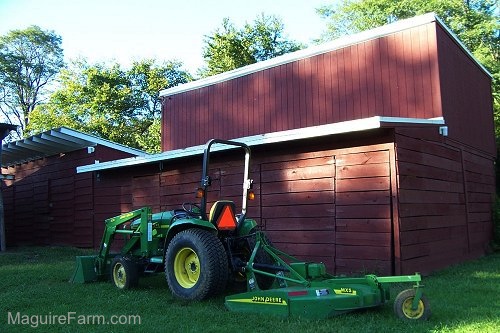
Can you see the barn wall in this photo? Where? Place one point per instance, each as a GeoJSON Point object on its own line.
{"type": "Point", "coordinates": [364, 222]}
{"type": "Point", "coordinates": [479, 184]}
{"type": "Point", "coordinates": [48, 203]}
{"type": "Point", "coordinates": [466, 97]}
{"type": "Point", "coordinates": [445, 200]}
{"type": "Point", "coordinates": [325, 200]}
{"type": "Point", "coordinates": [396, 75]}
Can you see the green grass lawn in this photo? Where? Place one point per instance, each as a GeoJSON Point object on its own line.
{"type": "Point", "coordinates": [34, 283]}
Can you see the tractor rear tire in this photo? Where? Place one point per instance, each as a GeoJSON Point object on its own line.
{"type": "Point", "coordinates": [403, 306]}
{"type": "Point", "coordinates": [196, 265]}
{"type": "Point", "coordinates": [124, 273]}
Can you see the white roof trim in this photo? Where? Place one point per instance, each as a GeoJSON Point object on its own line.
{"type": "Point", "coordinates": [53, 142]}
{"type": "Point", "coordinates": [320, 49]}
{"type": "Point", "coordinates": [262, 139]}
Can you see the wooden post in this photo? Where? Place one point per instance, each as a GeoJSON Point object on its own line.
{"type": "Point", "coordinates": [4, 131]}
{"type": "Point", "coordinates": [3, 245]}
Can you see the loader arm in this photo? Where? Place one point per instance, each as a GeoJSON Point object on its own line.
{"type": "Point", "coordinates": [110, 230]}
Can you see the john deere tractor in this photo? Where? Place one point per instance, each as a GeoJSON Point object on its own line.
{"type": "Point", "coordinates": [200, 250]}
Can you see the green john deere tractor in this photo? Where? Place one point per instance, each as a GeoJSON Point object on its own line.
{"type": "Point", "coordinates": [200, 250]}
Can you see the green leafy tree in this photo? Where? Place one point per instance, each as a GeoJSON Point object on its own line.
{"type": "Point", "coordinates": [30, 59]}
{"type": "Point", "coordinates": [229, 48]}
{"type": "Point", "coordinates": [150, 140]}
{"type": "Point", "coordinates": [475, 22]}
{"type": "Point", "coordinates": [115, 104]}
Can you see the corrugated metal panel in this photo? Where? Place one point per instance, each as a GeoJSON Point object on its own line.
{"type": "Point", "coordinates": [395, 75]}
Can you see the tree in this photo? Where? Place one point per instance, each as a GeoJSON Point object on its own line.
{"type": "Point", "coordinates": [475, 22]}
{"type": "Point", "coordinates": [230, 48]}
{"type": "Point", "coordinates": [29, 60]}
{"type": "Point", "coordinates": [115, 104]}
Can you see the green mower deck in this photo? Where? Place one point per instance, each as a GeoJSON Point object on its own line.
{"type": "Point", "coordinates": [304, 289]}
{"type": "Point", "coordinates": [314, 303]}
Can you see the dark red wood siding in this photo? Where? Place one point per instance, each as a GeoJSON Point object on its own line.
{"type": "Point", "coordinates": [396, 75]}
{"type": "Point", "coordinates": [48, 203]}
{"type": "Point", "coordinates": [322, 202]}
{"type": "Point", "coordinates": [297, 195]}
{"type": "Point", "coordinates": [465, 97]}
{"type": "Point", "coordinates": [445, 199]}
{"type": "Point", "coordinates": [364, 228]}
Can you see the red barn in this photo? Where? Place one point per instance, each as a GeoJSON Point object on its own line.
{"type": "Point", "coordinates": [374, 152]}
{"type": "Point", "coordinates": [47, 202]}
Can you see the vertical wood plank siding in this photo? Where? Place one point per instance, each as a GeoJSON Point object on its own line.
{"type": "Point", "coordinates": [396, 75]}
{"type": "Point", "coordinates": [466, 97]}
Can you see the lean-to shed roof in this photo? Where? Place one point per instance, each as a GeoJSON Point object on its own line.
{"type": "Point", "coordinates": [53, 142]}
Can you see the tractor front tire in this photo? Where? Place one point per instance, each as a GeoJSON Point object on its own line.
{"type": "Point", "coordinates": [196, 265]}
{"type": "Point", "coordinates": [403, 306]}
{"type": "Point", "coordinates": [124, 273]}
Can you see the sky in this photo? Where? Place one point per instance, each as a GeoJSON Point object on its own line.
{"type": "Point", "coordinates": [126, 30]}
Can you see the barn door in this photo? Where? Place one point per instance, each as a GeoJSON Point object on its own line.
{"type": "Point", "coordinates": [41, 207]}
{"type": "Point", "coordinates": [297, 206]}
{"type": "Point", "coordinates": [61, 193]}
{"type": "Point", "coordinates": [363, 237]}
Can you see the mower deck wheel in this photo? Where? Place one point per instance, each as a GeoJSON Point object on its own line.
{"type": "Point", "coordinates": [403, 306]}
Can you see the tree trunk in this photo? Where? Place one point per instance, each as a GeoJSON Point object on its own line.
{"type": "Point", "coordinates": [3, 246]}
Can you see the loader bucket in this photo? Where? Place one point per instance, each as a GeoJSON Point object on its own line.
{"type": "Point", "coordinates": [85, 270]}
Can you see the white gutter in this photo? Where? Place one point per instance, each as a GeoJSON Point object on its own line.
{"type": "Point", "coordinates": [268, 138]}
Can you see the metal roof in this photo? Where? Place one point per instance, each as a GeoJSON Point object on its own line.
{"type": "Point", "coordinates": [269, 138]}
{"type": "Point", "coordinates": [53, 142]}
{"type": "Point", "coordinates": [320, 49]}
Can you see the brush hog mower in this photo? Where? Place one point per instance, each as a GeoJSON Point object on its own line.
{"type": "Point", "coordinates": [305, 289]}
{"type": "Point", "coordinates": [199, 251]}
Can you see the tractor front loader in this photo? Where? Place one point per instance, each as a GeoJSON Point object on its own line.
{"type": "Point", "coordinates": [200, 250]}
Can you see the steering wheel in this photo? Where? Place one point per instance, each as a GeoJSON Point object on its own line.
{"type": "Point", "coordinates": [191, 208]}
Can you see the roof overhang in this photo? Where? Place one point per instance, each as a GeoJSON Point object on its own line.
{"type": "Point", "coordinates": [350, 126]}
{"type": "Point", "coordinates": [53, 142]}
{"type": "Point", "coordinates": [5, 129]}
{"type": "Point", "coordinates": [321, 49]}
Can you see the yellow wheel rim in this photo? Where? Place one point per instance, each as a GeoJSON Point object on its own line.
{"type": "Point", "coordinates": [413, 314]}
{"type": "Point", "coordinates": [119, 275]}
{"type": "Point", "coordinates": [186, 267]}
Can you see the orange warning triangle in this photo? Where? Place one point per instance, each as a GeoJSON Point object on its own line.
{"type": "Point", "coordinates": [226, 220]}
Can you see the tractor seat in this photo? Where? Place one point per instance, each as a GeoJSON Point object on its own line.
{"type": "Point", "coordinates": [222, 215]}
